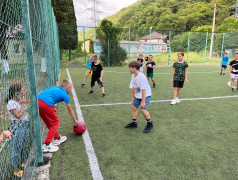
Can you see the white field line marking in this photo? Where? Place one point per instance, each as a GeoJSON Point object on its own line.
{"type": "Point", "coordinates": [157, 101]}
{"type": "Point", "coordinates": [94, 166]}
{"type": "Point", "coordinates": [165, 73]}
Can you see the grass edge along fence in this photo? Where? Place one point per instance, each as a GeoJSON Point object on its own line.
{"type": "Point", "coordinates": [194, 44]}
{"type": "Point", "coordinates": [30, 47]}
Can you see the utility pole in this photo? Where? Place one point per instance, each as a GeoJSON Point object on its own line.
{"type": "Point", "coordinates": [95, 12]}
{"type": "Point", "coordinates": [235, 6]}
{"type": "Point", "coordinates": [213, 29]}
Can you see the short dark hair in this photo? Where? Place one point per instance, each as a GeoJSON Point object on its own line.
{"type": "Point", "coordinates": [225, 52]}
{"type": "Point", "coordinates": [135, 64]}
{"type": "Point", "coordinates": [12, 90]}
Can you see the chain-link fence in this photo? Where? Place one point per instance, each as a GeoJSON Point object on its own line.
{"type": "Point", "coordinates": [30, 62]}
{"type": "Point", "coordinates": [163, 45]}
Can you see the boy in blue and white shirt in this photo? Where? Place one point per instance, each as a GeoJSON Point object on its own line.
{"type": "Point", "coordinates": [225, 60]}
{"type": "Point", "coordinates": [88, 72]}
{"type": "Point", "coordinates": [141, 95]}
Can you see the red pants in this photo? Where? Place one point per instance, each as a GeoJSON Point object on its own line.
{"type": "Point", "coordinates": [51, 120]}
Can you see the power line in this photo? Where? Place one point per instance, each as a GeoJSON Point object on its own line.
{"type": "Point", "coordinates": [95, 11]}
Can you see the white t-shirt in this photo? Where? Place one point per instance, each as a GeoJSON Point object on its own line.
{"type": "Point", "coordinates": [16, 105]}
{"type": "Point", "coordinates": [138, 83]}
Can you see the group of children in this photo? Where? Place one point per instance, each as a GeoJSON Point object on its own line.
{"type": "Point", "coordinates": [95, 69]}
{"type": "Point", "coordinates": [233, 70]}
{"type": "Point", "coordinates": [141, 96]}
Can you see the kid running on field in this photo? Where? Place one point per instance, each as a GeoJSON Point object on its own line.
{"type": "Point", "coordinates": [46, 100]}
{"type": "Point", "coordinates": [180, 73]}
{"type": "Point", "coordinates": [97, 69]}
{"type": "Point", "coordinates": [150, 68]}
{"type": "Point", "coordinates": [141, 95]}
{"type": "Point", "coordinates": [88, 72]}
{"type": "Point", "coordinates": [224, 63]}
{"type": "Point", "coordinates": [17, 110]}
{"type": "Point", "coordinates": [233, 72]}
{"type": "Point", "coordinates": [141, 61]}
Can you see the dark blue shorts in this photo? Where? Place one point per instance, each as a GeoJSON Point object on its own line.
{"type": "Point", "coordinates": [137, 102]}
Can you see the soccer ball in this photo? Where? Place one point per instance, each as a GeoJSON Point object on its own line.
{"type": "Point", "coordinates": [79, 127]}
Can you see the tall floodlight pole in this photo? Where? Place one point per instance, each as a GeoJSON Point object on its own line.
{"type": "Point", "coordinates": [213, 29]}
{"type": "Point", "coordinates": [150, 39]}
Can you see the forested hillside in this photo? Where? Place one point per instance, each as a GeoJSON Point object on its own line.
{"type": "Point", "coordinates": [178, 15]}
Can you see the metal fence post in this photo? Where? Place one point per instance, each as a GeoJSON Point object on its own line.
{"type": "Point", "coordinates": [46, 41]}
{"type": "Point", "coordinates": [32, 78]}
{"type": "Point", "coordinates": [129, 45]}
{"type": "Point", "coordinates": [188, 44]}
{"type": "Point", "coordinates": [169, 57]}
{"type": "Point", "coordinates": [205, 56]}
{"type": "Point", "coordinates": [222, 46]}
{"type": "Point", "coordinates": [84, 44]}
{"type": "Point", "coordinates": [169, 60]}
{"type": "Point", "coordinates": [150, 39]}
{"type": "Point", "coordinates": [108, 45]}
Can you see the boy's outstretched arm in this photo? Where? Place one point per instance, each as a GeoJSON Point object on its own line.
{"type": "Point", "coordinates": [186, 75]}
{"type": "Point", "coordinates": [230, 70]}
{"type": "Point", "coordinates": [71, 112]}
{"type": "Point", "coordinates": [132, 96]}
{"type": "Point", "coordinates": [143, 99]}
{"type": "Point", "coordinates": [101, 75]}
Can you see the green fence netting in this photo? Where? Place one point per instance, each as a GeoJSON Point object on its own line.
{"type": "Point", "coordinates": [30, 62]}
{"type": "Point", "coordinates": [162, 44]}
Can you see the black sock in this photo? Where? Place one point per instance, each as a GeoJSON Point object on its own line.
{"type": "Point", "coordinates": [47, 144]}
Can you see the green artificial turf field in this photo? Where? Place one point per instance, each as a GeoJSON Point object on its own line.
{"type": "Point", "coordinates": [196, 139]}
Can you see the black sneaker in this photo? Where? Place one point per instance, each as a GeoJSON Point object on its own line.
{"type": "Point", "coordinates": [91, 92]}
{"type": "Point", "coordinates": [103, 95]}
{"type": "Point", "coordinates": [131, 125]}
{"type": "Point", "coordinates": [224, 74]}
{"type": "Point", "coordinates": [220, 73]}
{"type": "Point", "coordinates": [153, 85]}
{"type": "Point", "coordinates": [232, 90]}
{"type": "Point", "coordinates": [148, 127]}
{"type": "Point", "coordinates": [83, 85]}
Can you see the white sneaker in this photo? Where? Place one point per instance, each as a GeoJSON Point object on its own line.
{"type": "Point", "coordinates": [173, 102]}
{"type": "Point", "coordinates": [57, 142]}
{"type": "Point", "coordinates": [177, 100]}
{"type": "Point", "coordinates": [49, 148]}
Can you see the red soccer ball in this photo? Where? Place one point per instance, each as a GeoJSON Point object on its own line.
{"type": "Point", "coordinates": [79, 127]}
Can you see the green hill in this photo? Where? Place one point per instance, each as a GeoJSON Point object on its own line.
{"type": "Point", "coordinates": [176, 15]}
{"type": "Point", "coordinates": [179, 15]}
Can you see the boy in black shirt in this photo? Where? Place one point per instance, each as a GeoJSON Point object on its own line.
{"type": "Point", "coordinates": [141, 61]}
{"type": "Point", "coordinates": [150, 68]}
{"type": "Point", "coordinates": [97, 69]}
{"type": "Point", "coordinates": [233, 72]}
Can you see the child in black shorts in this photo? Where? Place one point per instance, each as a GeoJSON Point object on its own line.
{"type": "Point", "coordinates": [97, 69]}
{"type": "Point", "coordinates": [180, 74]}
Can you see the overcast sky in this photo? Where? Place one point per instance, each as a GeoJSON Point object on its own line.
{"type": "Point", "coordinates": [109, 7]}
